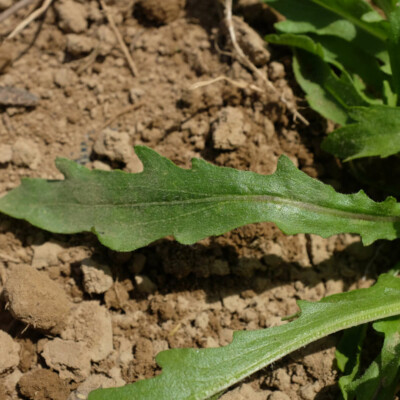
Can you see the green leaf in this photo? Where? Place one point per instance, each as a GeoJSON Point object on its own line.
{"type": "Point", "coordinates": [394, 48]}
{"type": "Point", "coordinates": [360, 13]}
{"type": "Point", "coordinates": [376, 132]}
{"type": "Point", "coordinates": [380, 379]}
{"type": "Point", "coordinates": [128, 211]}
{"type": "Point", "coordinates": [348, 355]}
{"type": "Point", "coordinates": [326, 93]}
{"type": "Point", "coordinates": [306, 16]}
{"type": "Point", "coordinates": [339, 53]}
{"type": "Point", "coordinates": [193, 374]}
{"type": "Point", "coordinates": [303, 16]}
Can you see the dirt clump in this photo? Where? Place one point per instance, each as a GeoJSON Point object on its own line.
{"type": "Point", "coordinates": [43, 384]}
{"type": "Point", "coordinates": [9, 352]}
{"type": "Point", "coordinates": [158, 12]}
{"type": "Point", "coordinates": [69, 358]}
{"type": "Point", "coordinates": [35, 299]}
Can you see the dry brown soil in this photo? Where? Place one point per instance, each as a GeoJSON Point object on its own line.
{"type": "Point", "coordinates": [74, 315]}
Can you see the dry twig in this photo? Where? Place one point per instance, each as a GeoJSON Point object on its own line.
{"type": "Point", "coordinates": [239, 84]}
{"type": "Point", "coordinates": [122, 112]}
{"type": "Point", "coordinates": [245, 60]}
{"type": "Point", "coordinates": [121, 42]}
{"type": "Point", "coordinates": [36, 14]}
{"type": "Point", "coordinates": [14, 8]}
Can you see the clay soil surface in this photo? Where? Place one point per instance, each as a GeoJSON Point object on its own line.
{"type": "Point", "coordinates": [74, 315]}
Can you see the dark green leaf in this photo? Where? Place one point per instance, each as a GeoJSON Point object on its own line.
{"type": "Point", "coordinates": [128, 211]}
{"type": "Point", "coordinates": [376, 132]}
{"type": "Point", "coordinates": [340, 53]}
{"type": "Point", "coordinates": [325, 91]}
{"type": "Point", "coordinates": [348, 355]}
{"type": "Point", "coordinates": [305, 16]}
{"type": "Point", "coordinates": [380, 379]}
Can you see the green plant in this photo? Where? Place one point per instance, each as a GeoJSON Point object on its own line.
{"type": "Point", "coordinates": [127, 211]}
{"type": "Point", "coordinates": [345, 60]}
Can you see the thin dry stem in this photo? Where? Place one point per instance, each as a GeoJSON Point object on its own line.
{"type": "Point", "coordinates": [14, 8]}
{"type": "Point", "coordinates": [239, 84]}
{"type": "Point", "coordinates": [122, 45]}
{"type": "Point", "coordinates": [122, 112]}
{"type": "Point", "coordinates": [36, 14]}
{"type": "Point", "coordinates": [245, 60]}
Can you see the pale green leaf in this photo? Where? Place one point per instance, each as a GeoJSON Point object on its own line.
{"type": "Point", "coordinates": [193, 374]}
{"type": "Point", "coordinates": [376, 132]}
{"type": "Point", "coordinates": [128, 211]}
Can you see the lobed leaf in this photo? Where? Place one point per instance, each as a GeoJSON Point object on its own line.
{"type": "Point", "coordinates": [193, 374]}
{"type": "Point", "coordinates": [376, 132]}
{"type": "Point", "coordinates": [128, 211]}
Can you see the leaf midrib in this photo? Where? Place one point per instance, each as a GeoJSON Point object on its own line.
{"type": "Point", "coordinates": [281, 201]}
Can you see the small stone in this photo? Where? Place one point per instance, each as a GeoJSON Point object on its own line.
{"type": "Point", "coordinates": [35, 299]}
{"type": "Point", "coordinates": [228, 129]}
{"type": "Point", "coordinates": [274, 254]}
{"type": "Point", "coordinates": [333, 287]}
{"type": "Point", "coordinates": [4, 4]}
{"type": "Point", "coordinates": [10, 382]}
{"type": "Point", "coordinates": [46, 254]}
{"type": "Point", "coordinates": [79, 44]}
{"type": "Point", "coordinates": [43, 384]}
{"type": "Point", "coordinates": [90, 324]}
{"type": "Point", "coordinates": [144, 284]}
{"type": "Point", "coordinates": [278, 396]}
{"type": "Point", "coordinates": [101, 165]}
{"type": "Point", "coordinates": [71, 16]}
{"type": "Point", "coordinates": [135, 94]}
{"type": "Point", "coordinates": [125, 353]}
{"type": "Point", "coordinates": [234, 303]}
{"type": "Point", "coordinates": [5, 153]}
{"type": "Point", "coordinates": [95, 381]}
{"type": "Point", "coordinates": [9, 352]}
{"type": "Point", "coordinates": [160, 12]}
{"type": "Point", "coordinates": [106, 40]}
{"type": "Point", "coordinates": [64, 77]}
{"type": "Point", "coordinates": [114, 145]}
{"type": "Point", "coordinates": [97, 278]}
{"type": "Point", "coordinates": [70, 358]}
{"type": "Point", "coordinates": [202, 321]}
{"type": "Point", "coordinates": [244, 392]}
{"type": "Point", "coordinates": [25, 153]}
{"type": "Point", "coordinates": [133, 163]}
{"type": "Point", "coordinates": [319, 249]}
{"type": "Point", "coordinates": [276, 70]}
